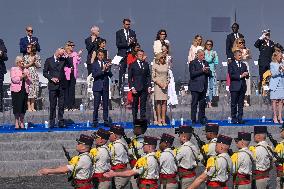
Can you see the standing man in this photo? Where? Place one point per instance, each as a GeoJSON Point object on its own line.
{"type": "Point", "coordinates": [263, 157]}
{"type": "Point", "coordinates": [101, 159]}
{"type": "Point", "coordinates": [125, 40]}
{"type": "Point", "coordinates": [119, 155]}
{"type": "Point", "coordinates": [243, 162]}
{"type": "Point", "coordinates": [80, 167]}
{"type": "Point", "coordinates": [147, 167]}
{"type": "Point", "coordinates": [211, 131]}
{"type": "Point", "coordinates": [238, 73]}
{"type": "Point", "coordinates": [54, 71]}
{"type": "Point", "coordinates": [199, 72]}
{"type": "Point", "coordinates": [139, 79]}
{"type": "Point", "coordinates": [168, 162]}
{"type": "Point", "coordinates": [92, 46]}
{"type": "Point", "coordinates": [29, 39]}
{"type": "Point", "coordinates": [218, 169]}
{"type": "Point", "coordinates": [101, 73]}
{"type": "Point", "coordinates": [187, 157]}
{"type": "Point", "coordinates": [3, 70]}
{"type": "Point", "coordinates": [266, 49]}
{"type": "Point", "coordinates": [230, 41]}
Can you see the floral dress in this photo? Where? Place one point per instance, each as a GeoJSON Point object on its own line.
{"type": "Point", "coordinates": [34, 87]}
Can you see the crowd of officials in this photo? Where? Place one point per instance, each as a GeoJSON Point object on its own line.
{"type": "Point", "coordinates": [61, 70]}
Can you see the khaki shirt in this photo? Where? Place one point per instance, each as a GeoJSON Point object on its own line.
{"type": "Point", "coordinates": [243, 161]}
{"type": "Point", "coordinates": [147, 167]}
{"type": "Point", "coordinates": [168, 163]}
{"type": "Point", "coordinates": [263, 157]}
{"type": "Point", "coordinates": [119, 152]}
{"type": "Point", "coordinates": [219, 168]}
{"type": "Point", "coordinates": [138, 143]}
{"type": "Point", "coordinates": [83, 169]}
{"type": "Point", "coordinates": [187, 155]}
{"type": "Point", "coordinates": [102, 160]}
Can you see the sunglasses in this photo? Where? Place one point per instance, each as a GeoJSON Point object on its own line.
{"type": "Point", "coordinates": [71, 45]}
{"type": "Point", "coordinates": [162, 34]}
{"type": "Point", "coordinates": [209, 44]}
{"type": "Point", "coordinates": [29, 30]}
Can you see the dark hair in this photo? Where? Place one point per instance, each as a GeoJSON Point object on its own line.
{"type": "Point", "coordinates": [209, 40]}
{"type": "Point", "coordinates": [237, 51]}
{"type": "Point", "coordinates": [236, 24]}
{"type": "Point", "coordinates": [159, 32]}
{"type": "Point", "coordinates": [140, 50]}
{"type": "Point", "coordinates": [279, 46]}
{"type": "Point", "coordinates": [100, 51]}
{"type": "Point", "coordinates": [33, 48]}
{"type": "Point", "coordinates": [126, 20]}
{"type": "Point", "coordinates": [101, 40]}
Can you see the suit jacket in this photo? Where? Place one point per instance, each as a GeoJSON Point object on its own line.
{"type": "Point", "coordinates": [229, 44]}
{"type": "Point", "coordinates": [24, 43]}
{"type": "Point", "coordinates": [122, 43]}
{"type": "Point", "coordinates": [198, 79]}
{"type": "Point", "coordinates": [91, 47]}
{"type": "Point", "coordinates": [265, 51]}
{"type": "Point", "coordinates": [3, 58]}
{"type": "Point", "coordinates": [56, 69]}
{"type": "Point", "coordinates": [139, 78]}
{"type": "Point", "coordinates": [234, 72]}
{"type": "Point", "coordinates": [16, 82]}
{"type": "Point", "coordinates": [101, 78]}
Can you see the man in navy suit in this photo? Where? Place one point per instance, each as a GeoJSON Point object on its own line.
{"type": "Point", "coordinates": [198, 84]}
{"type": "Point", "coordinates": [230, 41]}
{"type": "Point", "coordinates": [125, 40]}
{"type": "Point", "coordinates": [139, 79]}
{"type": "Point", "coordinates": [54, 71]}
{"type": "Point", "coordinates": [29, 39]}
{"type": "Point", "coordinates": [238, 73]}
{"type": "Point", "coordinates": [3, 71]}
{"type": "Point", "coordinates": [101, 73]}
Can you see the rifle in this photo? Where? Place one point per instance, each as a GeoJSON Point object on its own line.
{"type": "Point", "coordinates": [200, 144]}
{"type": "Point", "coordinates": [272, 140]}
{"type": "Point", "coordinates": [67, 155]}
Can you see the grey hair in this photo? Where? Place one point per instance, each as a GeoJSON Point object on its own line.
{"type": "Point", "coordinates": [94, 28]}
{"type": "Point", "coordinates": [199, 51]}
{"type": "Point", "coordinates": [18, 58]}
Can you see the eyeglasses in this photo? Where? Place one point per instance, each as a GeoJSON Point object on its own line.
{"type": "Point", "coordinates": [127, 24]}
{"type": "Point", "coordinates": [30, 31]}
{"type": "Point", "coordinates": [209, 44]}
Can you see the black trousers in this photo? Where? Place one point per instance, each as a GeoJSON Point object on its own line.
{"type": "Point", "coordinates": [142, 96]}
{"type": "Point", "coordinates": [54, 97]}
{"type": "Point", "coordinates": [122, 71]}
{"type": "Point", "coordinates": [89, 68]}
{"type": "Point", "coordinates": [1, 95]}
{"type": "Point", "coordinates": [69, 93]}
{"type": "Point", "coordinates": [262, 70]}
{"type": "Point", "coordinates": [237, 104]}
{"type": "Point", "coordinates": [104, 94]}
{"type": "Point", "coordinates": [198, 97]}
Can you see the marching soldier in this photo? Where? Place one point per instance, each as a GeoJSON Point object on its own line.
{"type": "Point", "coordinates": [187, 157]}
{"type": "Point", "coordinates": [211, 130]}
{"type": "Point", "coordinates": [136, 145]}
{"type": "Point", "coordinates": [119, 155]}
{"type": "Point", "coordinates": [218, 167]}
{"type": "Point", "coordinates": [279, 149]}
{"type": "Point", "coordinates": [81, 166]}
{"type": "Point", "coordinates": [101, 160]}
{"type": "Point", "coordinates": [147, 167]}
{"type": "Point", "coordinates": [243, 162]}
{"type": "Point", "coordinates": [263, 157]}
{"type": "Point", "coordinates": [168, 162]}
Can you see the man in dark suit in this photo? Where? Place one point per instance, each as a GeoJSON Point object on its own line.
{"type": "Point", "coordinates": [125, 40]}
{"type": "Point", "coordinates": [139, 79]}
{"type": "Point", "coordinates": [54, 71]}
{"type": "Point", "coordinates": [29, 39]}
{"type": "Point", "coordinates": [92, 46]}
{"type": "Point", "coordinates": [101, 73]}
{"type": "Point", "coordinates": [238, 73]}
{"type": "Point", "coordinates": [199, 72]}
{"type": "Point", "coordinates": [230, 41]}
{"type": "Point", "coordinates": [3, 71]}
{"type": "Point", "coordinates": [266, 49]}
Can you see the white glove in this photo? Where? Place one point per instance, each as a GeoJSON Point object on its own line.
{"type": "Point", "coordinates": [227, 88]}
{"type": "Point", "coordinates": [262, 36]}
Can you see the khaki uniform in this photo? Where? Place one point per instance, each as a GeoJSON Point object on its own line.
{"type": "Point", "coordinates": [148, 169]}
{"type": "Point", "coordinates": [243, 161]}
{"type": "Point", "coordinates": [263, 161]}
{"type": "Point", "coordinates": [101, 159]}
{"type": "Point", "coordinates": [82, 168]}
{"type": "Point", "coordinates": [279, 149]}
{"type": "Point", "coordinates": [168, 169]}
{"type": "Point", "coordinates": [187, 158]}
{"type": "Point", "coordinates": [209, 148]}
{"type": "Point", "coordinates": [119, 161]}
{"type": "Point", "coordinates": [218, 170]}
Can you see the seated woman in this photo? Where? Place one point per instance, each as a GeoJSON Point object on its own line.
{"type": "Point", "coordinates": [20, 82]}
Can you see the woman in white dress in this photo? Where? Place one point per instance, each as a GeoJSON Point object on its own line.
{"type": "Point", "coordinates": [196, 45]}
{"type": "Point", "coordinates": [161, 39]}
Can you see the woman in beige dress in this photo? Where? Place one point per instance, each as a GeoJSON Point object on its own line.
{"type": "Point", "coordinates": [196, 45]}
{"type": "Point", "coordinates": [160, 77]}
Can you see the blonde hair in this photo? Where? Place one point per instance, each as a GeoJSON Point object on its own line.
{"type": "Point", "coordinates": [158, 57]}
{"type": "Point", "coordinates": [236, 44]}
{"type": "Point", "coordinates": [18, 59]}
{"type": "Point", "coordinates": [195, 41]}
{"type": "Point", "coordinates": [274, 56]}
